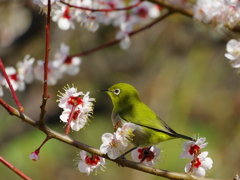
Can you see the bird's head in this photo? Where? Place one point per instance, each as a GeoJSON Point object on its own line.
{"type": "Point", "coordinates": [122, 94]}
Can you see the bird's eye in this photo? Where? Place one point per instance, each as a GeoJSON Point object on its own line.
{"type": "Point", "coordinates": [117, 91]}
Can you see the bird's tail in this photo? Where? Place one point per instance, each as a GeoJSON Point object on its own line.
{"type": "Point", "coordinates": [185, 137]}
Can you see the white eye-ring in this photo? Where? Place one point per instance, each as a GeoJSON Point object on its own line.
{"type": "Point", "coordinates": [117, 91]}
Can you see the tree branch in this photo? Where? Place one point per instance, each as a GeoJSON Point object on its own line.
{"type": "Point", "coordinates": [123, 162]}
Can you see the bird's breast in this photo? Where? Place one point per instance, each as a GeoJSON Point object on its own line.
{"type": "Point", "coordinates": [117, 120]}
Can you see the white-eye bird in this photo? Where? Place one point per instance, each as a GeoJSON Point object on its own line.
{"type": "Point", "coordinates": [127, 107]}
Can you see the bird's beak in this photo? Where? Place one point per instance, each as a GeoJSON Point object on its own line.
{"type": "Point", "coordinates": [103, 90]}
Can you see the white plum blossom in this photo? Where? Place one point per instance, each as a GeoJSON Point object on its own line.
{"type": "Point", "coordinates": [64, 63]}
{"type": "Point", "coordinates": [79, 119]}
{"type": "Point", "coordinates": [78, 105]}
{"type": "Point", "coordinates": [16, 80]}
{"type": "Point", "coordinates": [219, 13]}
{"type": "Point", "coordinates": [90, 164]}
{"type": "Point", "coordinates": [114, 144]}
{"type": "Point", "coordinates": [154, 11]}
{"type": "Point", "coordinates": [25, 68]}
{"type": "Point", "coordinates": [233, 52]}
{"type": "Point", "coordinates": [87, 18]}
{"type": "Point", "coordinates": [26, 71]}
{"type": "Point", "coordinates": [201, 165]}
{"type": "Point", "coordinates": [125, 134]}
{"type": "Point", "coordinates": [112, 17]}
{"type": "Point", "coordinates": [64, 18]}
{"type": "Point", "coordinates": [43, 4]}
{"type": "Point", "coordinates": [86, 105]}
{"type": "Point", "coordinates": [111, 145]}
{"type": "Point", "coordinates": [67, 98]}
{"type": "Point", "coordinates": [145, 10]}
{"type": "Point", "coordinates": [18, 77]}
{"type": "Point", "coordinates": [125, 39]}
{"type": "Point", "coordinates": [89, 21]}
{"type": "Point", "coordinates": [191, 147]}
{"type": "Point", "coordinates": [91, 24]}
{"type": "Point", "coordinates": [71, 97]}
{"type": "Point", "coordinates": [53, 73]}
{"type": "Point", "coordinates": [123, 35]}
{"type": "Point", "coordinates": [34, 156]}
{"type": "Point", "coordinates": [148, 157]}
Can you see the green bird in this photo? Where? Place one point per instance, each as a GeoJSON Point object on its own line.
{"type": "Point", "coordinates": [127, 107]}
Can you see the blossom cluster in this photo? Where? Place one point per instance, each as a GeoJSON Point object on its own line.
{"type": "Point", "coordinates": [233, 52]}
{"type": "Point", "coordinates": [26, 71]}
{"type": "Point", "coordinates": [77, 107]}
{"type": "Point", "coordinates": [19, 77]}
{"type": "Point", "coordinates": [91, 13]}
{"type": "Point", "coordinates": [220, 13]}
{"type": "Point", "coordinates": [200, 163]}
{"type": "Point", "coordinates": [114, 145]}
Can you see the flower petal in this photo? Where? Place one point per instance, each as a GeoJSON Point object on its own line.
{"type": "Point", "coordinates": [135, 155]}
{"type": "Point", "coordinates": [113, 153]}
{"type": "Point", "coordinates": [200, 172]}
{"type": "Point", "coordinates": [107, 138]}
{"type": "Point", "coordinates": [83, 154]}
{"type": "Point", "coordinates": [207, 163]}
{"type": "Point", "coordinates": [104, 148]}
{"type": "Point", "coordinates": [82, 167]}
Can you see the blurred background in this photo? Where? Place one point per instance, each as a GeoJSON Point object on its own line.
{"type": "Point", "coordinates": [178, 67]}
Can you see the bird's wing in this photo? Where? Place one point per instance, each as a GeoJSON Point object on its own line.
{"type": "Point", "coordinates": [144, 117]}
{"type": "Point", "coordinates": [154, 123]}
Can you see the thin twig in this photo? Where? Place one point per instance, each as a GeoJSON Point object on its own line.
{"type": "Point", "coordinates": [14, 169]}
{"type": "Point", "coordinates": [118, 40]}
{"type": "Point", "coordinates": [45, 140]}
{"type": "Point", "coordinates": [21, 109]}
{"type": "Point", "coordinates": [70, 118]}
{"type": "Point", "coordinates": [102, 10]}
{"type": "Point", "coordinates": [47, 50]}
